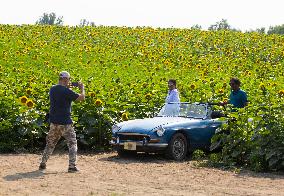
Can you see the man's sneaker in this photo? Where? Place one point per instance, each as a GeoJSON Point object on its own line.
{"type": "Point", "coordinates": [73, 169]}
{"type": "Point", "coordinates": [42, 166]}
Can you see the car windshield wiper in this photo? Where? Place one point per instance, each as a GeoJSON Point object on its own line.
{"type": "Point", "coordinates": [195, 117]}
{"type": "Point", "coordinates": [189, 116]}
{"type": "Point", "coordinates": [168, 116]}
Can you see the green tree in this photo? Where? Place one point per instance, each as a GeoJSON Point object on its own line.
{"type": "Point", "coordinates": [221, 25]}
{"type": "Point", "coordinates": [50, 19]}
{"type": "Point", "coordinates": [196, 26]}
{"type": "Point", "coordinates": [84, 23]}
{"type": "Point", "coordinates": [260, 30]}
{"type": "Point", "coordinates": [278, 29]}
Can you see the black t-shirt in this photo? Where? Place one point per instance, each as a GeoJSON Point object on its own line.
{"type": "Point", "coordinates": [60, 104]}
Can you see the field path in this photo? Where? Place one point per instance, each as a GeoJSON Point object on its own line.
{"type": "Point", "coordinates": [107, 174]}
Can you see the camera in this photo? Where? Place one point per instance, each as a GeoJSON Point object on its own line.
{"type": "Point", "coordinates": [76, 84]}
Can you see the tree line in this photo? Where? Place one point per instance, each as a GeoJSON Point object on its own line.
{"type": "Point", "coordinates": [52, 19]}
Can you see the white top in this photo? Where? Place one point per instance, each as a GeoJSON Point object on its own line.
{"type": "Point", "coordinates": [172, 96]}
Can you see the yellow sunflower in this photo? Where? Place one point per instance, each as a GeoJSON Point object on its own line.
{"type": "Point", "coordinates": [192, 86]}
{"type": "Point", "coordinates": [281, 93]}
{"type": "Point", "coordinates": [148, 96]}
{"type": "Point", "coordinates": [262, 86]}
{"type": "Point", "coordinates": [91, 94]}
{"type": "Point", "coordinates": [98, 102]}
{"type": "Point", "coordinates": [124, 116]}
{"type": "Point", "coordinates": [29, 91]}
{"type": "Point", "coordinates": [30, 103]}
{"type": "Point", "coordinates": [23, 99]}
{"type": "Point", "coordinates": [225, 100]}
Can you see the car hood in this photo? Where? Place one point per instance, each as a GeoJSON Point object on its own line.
{"type": "Point", "coordinates": [148, 124]}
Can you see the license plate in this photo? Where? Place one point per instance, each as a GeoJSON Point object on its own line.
{"type": "Point", "coordinates": [130, 146]}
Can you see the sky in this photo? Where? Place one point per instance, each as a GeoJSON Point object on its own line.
{"type": "Point", "coordinates": [240, 14]}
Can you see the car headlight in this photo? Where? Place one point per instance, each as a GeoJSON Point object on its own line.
{"type": "Point", "coordinates": [160, 131]}
{"type": "Point", "coordinates": [115, 128]}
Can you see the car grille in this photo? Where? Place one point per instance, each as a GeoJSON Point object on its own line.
{"type": "Point", "coordinates": [133, 137]}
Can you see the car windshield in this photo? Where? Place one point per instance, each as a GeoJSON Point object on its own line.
{"type": "Point", "coordinates": [190, 110]}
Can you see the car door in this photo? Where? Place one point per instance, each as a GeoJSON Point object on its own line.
{"type": "Point", "coordinates": [200, 136]}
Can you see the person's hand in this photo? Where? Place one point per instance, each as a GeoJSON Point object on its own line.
{"type": "Point", "coordinates": [80, 85]}
{"type": "Point", "coordinates": [82, 93]}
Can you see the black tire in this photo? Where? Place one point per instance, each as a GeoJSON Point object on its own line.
{"type": "Point", "coordinates": [177, 148]}
{"type": "Point", "coordinates": [126, 153]}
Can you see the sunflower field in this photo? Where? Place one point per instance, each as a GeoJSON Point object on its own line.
{"type": "Point", "coordinates": [125, 72]}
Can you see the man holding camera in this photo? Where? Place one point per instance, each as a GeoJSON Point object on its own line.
{"type": "Point", "coordinates": [238, 98]}
{"type": "Point", "coordinates": [61, 97]}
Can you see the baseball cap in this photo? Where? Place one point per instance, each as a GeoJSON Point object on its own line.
{"type": "Point", "coordinates": [64, 74]}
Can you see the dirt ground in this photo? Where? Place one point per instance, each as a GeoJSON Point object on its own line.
{"type": "Point", "coordinates": [107, 174]}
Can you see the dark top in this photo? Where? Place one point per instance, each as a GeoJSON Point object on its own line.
{"type": "Point", "coordinates": [60, 104]}
{"type": "Point", "coordinates": [238, 98]}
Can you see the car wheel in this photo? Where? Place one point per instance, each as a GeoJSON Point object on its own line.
{"type": "Point", "coordinates": [177, 148]}
{"type": "Point", "coordinates": [126, 153]}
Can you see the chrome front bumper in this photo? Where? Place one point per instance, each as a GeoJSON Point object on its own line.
{"type": "Point", "coordinates": [140, 144]}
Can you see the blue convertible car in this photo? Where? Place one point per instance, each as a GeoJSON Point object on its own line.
{"type": "Point", "coordinates": [178, 129]}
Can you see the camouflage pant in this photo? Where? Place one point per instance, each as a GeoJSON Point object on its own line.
{"type": "Point", "coordinates": [53, 136]}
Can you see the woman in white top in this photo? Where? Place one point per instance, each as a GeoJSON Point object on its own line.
{"type": "Point", "coordinates": [173, 95]}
